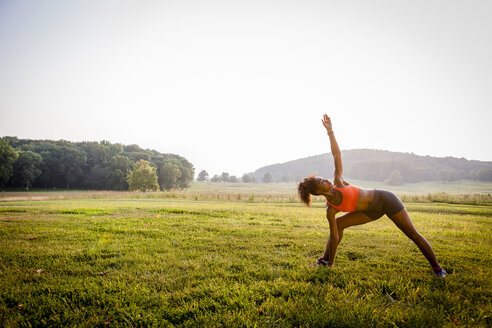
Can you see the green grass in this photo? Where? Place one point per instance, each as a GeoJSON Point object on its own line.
{"type": "Point", "coordinates": [154, 261]}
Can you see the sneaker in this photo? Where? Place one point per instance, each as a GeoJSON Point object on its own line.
{"type": "Point", "coordinates": [439, 272]}
{"type": "Point", "coordinates": [321, 261]}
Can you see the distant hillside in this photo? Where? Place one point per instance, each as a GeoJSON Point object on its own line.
{"type": "Point", "coordinates": [379, 165]}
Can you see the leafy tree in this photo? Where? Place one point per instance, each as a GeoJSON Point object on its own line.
{"type": "Point", "coordinates": [45, 176]}
{"type": "Point", "coordinates": [215, 178]}
{"type": "Point", "coordinates": [97, 170]}
{"type": "Point", "coordinates": [143, 177]}
{"type": "Point", "coordinates": [224, 177]}
{"type": "Point", "coordinates": [202, 176]}
{"type": "Point", "coordinates": [96, 153]}
{"type": "Point", "coordinates": [247, 178]}
{"type": "Point", "coordinates": [169, 174]}
{"type": "Point", "coordinates": [136, 156]}
{"type": "Point", "coordinates": [394, 179]}
{"type": "Point", "coordinates": [96, 177]}
{"type": "Point", "coordinates": [73, 160]}
{"type": "Point", "coordinates": [285, 178]}
{"type": "Point", "coordinates": [118, 169]}
{"type": "Point", "coordinates": [267, 178]}
{"type": "Point", "coordinates": [14, 142]}
{"type": "Point", "coordinates": [445, 176]}
{"type": "Point", "coordinates": [27, 168]}
{"type": "Point", "coordinates": [114, 149]}
{"type": "Point", "coordinates": [8, 156]}
{"type": "Point", "coordinates": [186, 169]}
{"type": "Point", "coordinates": [132, 148]}
{"type": "Point", "coordinates": [483, 174]}
{"type": "Point", "coordinates": [233, 179]}
{"type": "Point", "coordinates": [63, 163]}
{"type": "Point", "coordinates": [187, 174]}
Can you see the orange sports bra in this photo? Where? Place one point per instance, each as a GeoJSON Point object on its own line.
{"type": "Point", "coordinates": [350, 194]}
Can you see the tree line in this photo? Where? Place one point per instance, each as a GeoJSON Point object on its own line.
{"type": "Point", "coordinates": [48, 164]}
{"type": "Point", "coordinates": [246, 178]}
{"type": "Point", "coordinates": [224, 177]}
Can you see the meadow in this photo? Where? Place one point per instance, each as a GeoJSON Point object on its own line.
{"type": "Point", "coordinates": [236, 256]}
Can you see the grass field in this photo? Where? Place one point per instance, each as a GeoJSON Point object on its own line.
{"type": "Point", "coordinates": [156, 259]}
{"type": "Point", "coordinates": [458, 192]}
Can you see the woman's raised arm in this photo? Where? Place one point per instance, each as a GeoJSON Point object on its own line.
{"type": "Point", "coordinates": [335, 150]}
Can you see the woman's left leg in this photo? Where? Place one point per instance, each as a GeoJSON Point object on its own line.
{"type": "Point", "coordinates": [403, 221]}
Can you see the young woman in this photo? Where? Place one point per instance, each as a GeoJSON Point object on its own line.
{"type": "Point", "coordinates": [361, 206]}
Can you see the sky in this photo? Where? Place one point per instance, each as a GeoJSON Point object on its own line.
{"type": "Point", "coordinates": [237, 85]}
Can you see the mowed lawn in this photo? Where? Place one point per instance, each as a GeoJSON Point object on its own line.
{"type": "Point", "coordinates": [157, 262]}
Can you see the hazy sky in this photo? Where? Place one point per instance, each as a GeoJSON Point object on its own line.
{"type": "Point", "coordinates": [236, 85]}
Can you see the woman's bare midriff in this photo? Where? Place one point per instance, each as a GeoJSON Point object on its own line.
{"type": "Point", "coordinates": [364, 200]}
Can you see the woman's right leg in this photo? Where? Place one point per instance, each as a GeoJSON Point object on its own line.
{"type": "Point", "coordinates": [350, 219]}
{"type": "Point", "coordinates": [344, 221]}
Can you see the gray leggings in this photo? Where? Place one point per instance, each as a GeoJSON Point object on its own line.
{"type": "Point", "coordinates": [384, 202]}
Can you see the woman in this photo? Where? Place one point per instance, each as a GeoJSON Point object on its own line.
{"type": "Point", "coordinates": [361, 206]}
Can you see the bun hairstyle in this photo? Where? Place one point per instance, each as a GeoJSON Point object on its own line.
{"type": "Point", "coordinates": [306, 188]}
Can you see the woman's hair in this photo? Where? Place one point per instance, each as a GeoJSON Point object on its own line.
{"type": "Point", "coordinates": [306, 188]}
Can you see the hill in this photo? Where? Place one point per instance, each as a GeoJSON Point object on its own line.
{"type": "Point", "coordinates": [393, 168]}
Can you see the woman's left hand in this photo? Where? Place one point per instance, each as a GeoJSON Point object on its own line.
{"type": "Point", "coordinates": [327, 123]}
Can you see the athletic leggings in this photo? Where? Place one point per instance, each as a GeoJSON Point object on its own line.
{"type": "Point", "coordinates": [384, 202]}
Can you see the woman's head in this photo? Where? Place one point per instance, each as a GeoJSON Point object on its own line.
{"type": "Point", "coordinates": [312, 185]}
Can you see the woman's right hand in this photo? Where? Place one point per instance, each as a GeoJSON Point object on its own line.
{"type": "Point", "coordinates": [327, 123]}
